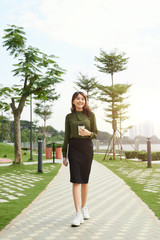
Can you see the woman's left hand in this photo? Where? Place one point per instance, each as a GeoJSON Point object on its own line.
{"type": "Point", "coordinates": [85, 132]}
{"type": "Point", "coordinates": [64, 162]}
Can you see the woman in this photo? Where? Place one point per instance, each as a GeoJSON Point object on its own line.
{"type": "Point", "coordinates": [80, 129]}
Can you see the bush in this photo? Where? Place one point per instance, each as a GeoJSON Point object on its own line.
{"type": "Point", "coordinates": [155, 155]}
{"type": "Point", "coordinates": [131, 154]}
{"type": "Point", "coordinates": [142, 155]}
{"type": "Point", "coordinates": [55, 145]}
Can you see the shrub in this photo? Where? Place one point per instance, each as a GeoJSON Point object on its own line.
{"type": "Point", "coordinates": [142, 155]}
{"type": "Point", "coordinates": [131, 154]}
{"type": "Point", "coordinates": [155, 155]}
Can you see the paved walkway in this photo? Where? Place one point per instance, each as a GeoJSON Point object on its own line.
{"type": "Point", "coordinates": [5, 160]}
{"type": "Point", "coordinates": [116, 212]}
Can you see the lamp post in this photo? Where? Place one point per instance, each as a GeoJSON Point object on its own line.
{"type": "Point", "coordinates": [2, 128]}
{"type": "Point", "coordinates": [40, 146]}
{"type": "Point", "coordinates": [149, 158]}
{"type": "Point", "coordinates": [31, 158]}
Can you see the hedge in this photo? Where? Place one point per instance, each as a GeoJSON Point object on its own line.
{"type": "Point", "coordinates": [56, 145]}
{"type": "Point", "coordinates": [131, 154]}
{"type": "Point", "coordinates": [141, 155]}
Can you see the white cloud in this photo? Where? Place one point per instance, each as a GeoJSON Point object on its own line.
{"type": "Point", "coordinates": [130, 26]}
{"type": "Point", "coordinates": [95, 23]}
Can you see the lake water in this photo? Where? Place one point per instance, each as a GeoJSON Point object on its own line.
{"type": "Point", "coordinates": [128, 147]}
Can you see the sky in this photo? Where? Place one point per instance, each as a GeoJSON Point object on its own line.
{"type": "Point", "coordinates": [75, 31]}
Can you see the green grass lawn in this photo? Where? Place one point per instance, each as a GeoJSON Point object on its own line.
{"type": "Point", "coordinates": [145, 182]}
{"type": "Point", "coordinates": [7, 151]}
{"type": "Point", "coordinates": [20, 185]}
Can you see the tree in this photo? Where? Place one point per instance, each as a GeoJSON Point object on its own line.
{"type": "Point", "coordinates": [44, 111]}
{"type": "Point", "coordinates": [25, 134]}
{"type": "Point", "coordinates": [122, 111]}
{"type": "Point", "coordinates": [111, 63]}
{"type": "Point", "coordinates": [38, 74]}
{"type": "Point", "coordinates": [87, 84]}
{"type": "Point", "coordinates": [51, 131]}
{"type": "Point", "coordinates": [4, 129]}
{"type": "Point", "coordinates": [118, 92]}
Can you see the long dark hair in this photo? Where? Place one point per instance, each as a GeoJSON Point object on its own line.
{"type": "Point", "coordinates": [86, 108]}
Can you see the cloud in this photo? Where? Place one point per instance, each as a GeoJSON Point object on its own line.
{"type": "Point", "coordinates": [130, 26]}
{"type": "Point", "coordinates": [94, 23]}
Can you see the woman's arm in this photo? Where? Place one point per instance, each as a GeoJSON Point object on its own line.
{"type": "Point", "coordinates": [66, 137]}
{"type": "Point", "coordinates": [93, 132]}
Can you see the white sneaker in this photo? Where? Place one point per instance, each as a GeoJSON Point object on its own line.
{"type": "Point", "coordinates": [85, 213]}
{"type": "Point", "coordinates": [78, 219]}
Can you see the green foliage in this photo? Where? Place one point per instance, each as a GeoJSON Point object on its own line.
{"type": "Point", "coordinates": [43, 110]}
{"type": "Point", "coordinates": [25, 135]}
{"type": "Point", "coordinates": [86, 84]}
{"type": "Point", "coordinates": [131, 154]}
{"type": "Point", "coordinates": [14, 40]}
{"type": "Point", "coordinates": [141, 155]}
{"type": "Point", "coordinates": [38, 72]}
{"type": "Point", "coordinates": [155, 156]}
{"type": "Point", "coordinates": [6, 129]}
{"type": "Point", "coordinates": [111, 62]}
{"type": "Point", "coordinates": [116, 94]}
{"type": "Point", "coordinates": [56, 138]}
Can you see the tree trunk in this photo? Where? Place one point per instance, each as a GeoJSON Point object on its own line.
{"type": "Point", "coordinates": [113, 123]}
{"type": "Point", "coordinates": [114, 144]}
{"type": "Point", "coordinates": [17, 128]}
{"type": "Point", "coordinates": [121, 149]}
{"type": "Point", "coordinates": [17, 138]}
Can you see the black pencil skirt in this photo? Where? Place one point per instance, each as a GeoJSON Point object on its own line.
{"type": "Point", "coordinates": [80, 157]}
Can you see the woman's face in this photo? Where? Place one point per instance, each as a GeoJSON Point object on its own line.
{"type": "Point", "coordinates": [79, 102]}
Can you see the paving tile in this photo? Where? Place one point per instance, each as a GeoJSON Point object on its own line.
{"type": "Point", "coordinates": [116, 212]}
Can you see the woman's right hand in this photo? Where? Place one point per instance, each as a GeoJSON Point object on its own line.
{"type": "Point", "coordinates": [64, 162]}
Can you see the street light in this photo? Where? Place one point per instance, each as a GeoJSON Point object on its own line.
{"type": "Point", "coordinates": [2, 128]}
{"type": "Point", "coordinates": [149, 157]}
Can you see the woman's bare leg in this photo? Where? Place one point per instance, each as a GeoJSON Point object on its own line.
{"type": "Point", "coordinates": [84, 193]}
{"type": "Point", "coordinates": [77, 196]}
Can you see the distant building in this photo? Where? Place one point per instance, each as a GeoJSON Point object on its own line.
{"type": "Point", "coordinates": [134, 132]}
{"type": "Point", "coordinates": [143, 129]}
{"type": "Point", "coordinates": [146, 129]}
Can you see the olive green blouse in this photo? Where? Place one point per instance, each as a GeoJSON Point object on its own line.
{"type": "Point", "coordinates": [71, 127]}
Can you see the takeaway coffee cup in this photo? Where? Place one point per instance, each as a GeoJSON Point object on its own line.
{"type": "Point", "coordinates": [80, 127]}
